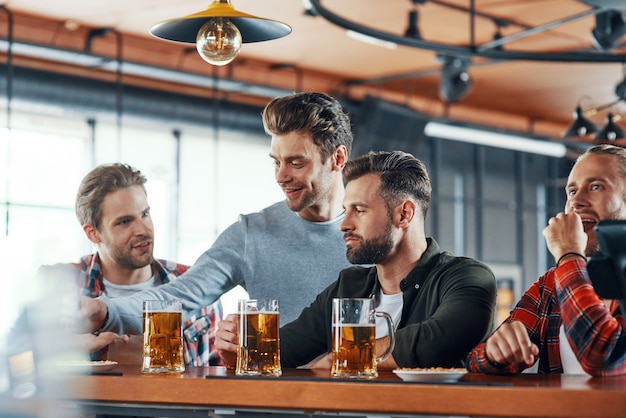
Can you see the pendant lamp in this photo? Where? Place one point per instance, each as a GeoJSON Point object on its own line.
{"type": "Point", "coordinates": [219, 31]}
{"type": "Point", "coordinates": [581, 125]}
{"type": "Point", "coordinates": [611, 130]}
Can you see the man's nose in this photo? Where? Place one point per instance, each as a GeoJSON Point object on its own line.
{"type": "Point", "coordinates": [345, 224]}
{"type": "Point", "coordinates": [282, 174]}
{"type": "Point", "coordinates": [578, 200]}
{"type": "Point", "coordinates": [144, 227]}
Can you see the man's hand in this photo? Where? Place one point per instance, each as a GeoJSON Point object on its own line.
{"type": "Point", "coordinates": [226, 340]}
{"type": "Point", "coordinates": [92, 343]}
{"type": "Point", "coordinates": [93, 313]}
{"type": "Point", "coordinates": [565, 233]}
{"type": "Point", "coordinates": [381, 346]}
{"type": "Point", "coordinates": [511, 344]}
{"type": "Point", "coordinates": [323, 362]}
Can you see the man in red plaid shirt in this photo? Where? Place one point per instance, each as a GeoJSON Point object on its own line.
{"type": "Point", "coordinates": [112, 207]}
{"type": "Point", "coordinates": [560, 320]}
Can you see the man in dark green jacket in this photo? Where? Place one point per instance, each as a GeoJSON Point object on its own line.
{"type": "Point", "coordinates": [442, 305]}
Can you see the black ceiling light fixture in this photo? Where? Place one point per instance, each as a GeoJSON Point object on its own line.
{"type": "Point", "coordinates": [609, 30]}
{"type": "Point", "coordinates": [412, 29]}
{"type": "Point", "coordinates": [497, 36]}
{"type": "Point", "coordinates": [611, 130]}
{"type": "Point", "coordinates": [455, 81]}
{"type": "Point", "coordinates": [581, 126]}
{"type": "Point", "coordinates": [309, 10]}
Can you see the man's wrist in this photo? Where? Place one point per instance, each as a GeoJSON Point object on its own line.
{"type": "Point", "coordinates": [494, 363]}
{"type": "Point", "coordinates": [569, 255]}
{"type": "Point", "coordinates": [103, 324]}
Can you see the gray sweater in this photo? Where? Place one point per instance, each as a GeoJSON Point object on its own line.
{"type": "Point", "coordinates": [273, 253]}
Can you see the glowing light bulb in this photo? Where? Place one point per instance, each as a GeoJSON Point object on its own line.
{"type": "Point", "coordinates": [218, 41]}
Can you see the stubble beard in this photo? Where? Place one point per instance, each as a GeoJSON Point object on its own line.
{"type": "Point", "coordinates": [593, 246]}
{"type": "Point", "coordinates": [301, 203]}
{"type": "Point", "coordinates": [320, 190]}
{"type": "Point", "coordinates": [128, 261]}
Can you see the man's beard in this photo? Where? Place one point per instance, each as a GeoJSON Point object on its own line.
{"type": "Point", "coordinates": [593, 247]}
{"type": "Point", "coordinates": [130, 262]}
{"type": "Point", "coordinates": [372, 251]}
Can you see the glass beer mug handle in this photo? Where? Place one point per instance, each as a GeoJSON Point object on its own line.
{"type": "Point", "coordinates": [392, 336]}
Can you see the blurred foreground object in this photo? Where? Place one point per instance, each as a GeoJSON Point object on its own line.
{"type": "Point", "coordinates": [607, 269]}
{"type": "Point", "coordinates": [31, 384]}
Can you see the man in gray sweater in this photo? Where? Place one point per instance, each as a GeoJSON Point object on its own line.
{"type": "Point", "coordinates": [442, 305]}
{"type": "Point", "coordinates": [289, 251]}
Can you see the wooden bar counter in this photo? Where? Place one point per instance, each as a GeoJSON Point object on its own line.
{"type": "Point", "coordinates": [207, 391]}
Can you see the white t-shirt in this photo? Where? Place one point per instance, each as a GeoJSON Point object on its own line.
{"type": "Point", "coordinates": [113, 290]}
{"type": "Point", "coordinates": [127, 352]}
{"type": "Point", "coordinates": [392, 304]}
{"type": "Point", "coordinates": [568, 358]}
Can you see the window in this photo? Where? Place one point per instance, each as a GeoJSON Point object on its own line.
{"type": "Point", "coordinates": [43, 162]}
{"type": "Point", "coordinates": [192, 200]}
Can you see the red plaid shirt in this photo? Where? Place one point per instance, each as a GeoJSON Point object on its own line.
{"type": "Point", "coordinates": [564, 295]}
{"type": "Point", "coordinates": [198, 330]}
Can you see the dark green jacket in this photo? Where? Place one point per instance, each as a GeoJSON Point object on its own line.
{"type": "Point", "coordinates": [448, 309]}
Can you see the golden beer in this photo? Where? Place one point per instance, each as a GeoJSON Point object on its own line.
{"type": "Point", "coordinates": [353, 353]}
{"type": "Point", "coordinates": [162, 342]}
{"type": "Point", "coordinates": [258, 351]}
{"type": "Point", "coordinates": [354, 338]}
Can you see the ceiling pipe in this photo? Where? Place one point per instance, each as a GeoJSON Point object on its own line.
{"type": "Point", "coordinates": [87, 60]}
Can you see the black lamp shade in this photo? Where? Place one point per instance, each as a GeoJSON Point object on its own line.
{"type": "Point", "coordinates": [581, 126]}
{"type": "Point", "coordinates": [455, 81]}
{"type": "Point", "coordinates": [610, 27]}
{"type": "Point", "coordinates": [252, 28]}
{"type": "Point", "coordinates": [412, 30]}
{"type": "Point", "coordinates": [611, 130]}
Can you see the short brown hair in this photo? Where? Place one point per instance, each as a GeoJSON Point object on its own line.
{"type": "Point", "coordinates": [315, 113]}
{"type": "Point", "coordinates": [98, 183]}
{"type": "Point", "coordinates": [401, 176]}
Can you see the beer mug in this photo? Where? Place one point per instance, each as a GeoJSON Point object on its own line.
{"type": "Point", "coordinates": [354, 338]}
{"type": "Point", "coordinates": [258, 343]}
{"type": "Point", "coordinates": [162, 337]}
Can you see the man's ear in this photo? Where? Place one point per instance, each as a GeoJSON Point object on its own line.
{"type": "Point", "coordinates": [340, 157]}
{"type": "Point", "coordinates": [92, 233]}
{"type": "Point", "coordinates": [406, 212]}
